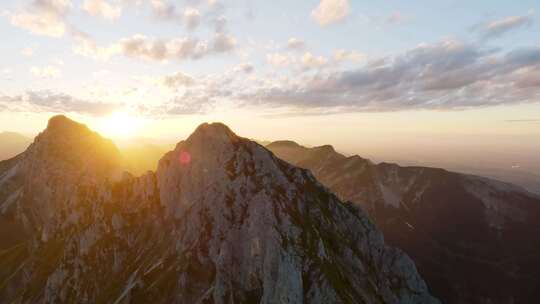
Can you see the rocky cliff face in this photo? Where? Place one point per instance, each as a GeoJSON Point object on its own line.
{"type": "Point", "coordinates": [221, 221]}
{"type": "Point", "coordinates": [474, 240]}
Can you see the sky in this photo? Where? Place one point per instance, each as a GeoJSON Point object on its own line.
{"type": "Point", "coordinates": [391, 79]}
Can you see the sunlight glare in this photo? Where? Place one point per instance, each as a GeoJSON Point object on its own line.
{"type": "Point", "coordinates": [121, 125]}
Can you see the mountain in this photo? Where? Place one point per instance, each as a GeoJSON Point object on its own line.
{"type": "Point", "coordinates": [222, 220]}
{"type": "Point", "coordinates": [473, 239]}
{"type": "Point", "coordinates": [12, 144]}
{"type": "Point", "coordinates": [522, 176]}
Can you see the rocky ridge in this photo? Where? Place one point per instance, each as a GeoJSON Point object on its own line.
{"type": "Point", "coordinates": [222, 220]}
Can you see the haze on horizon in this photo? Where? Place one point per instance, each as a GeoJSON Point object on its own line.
{"type": "Point", "coordinates": [449, 83]}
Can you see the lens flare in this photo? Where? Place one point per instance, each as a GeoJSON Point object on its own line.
{"type": "Point", "coordinates": [185, 158]}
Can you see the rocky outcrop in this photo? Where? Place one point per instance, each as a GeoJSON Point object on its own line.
{"type": "Point", "coordinates": [221, 221]}
{"type": "Point", "coordinates": [473, 239]}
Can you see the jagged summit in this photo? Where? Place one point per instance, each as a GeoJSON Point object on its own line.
{"type": "Point", "coordinates": [67, 139]}
{"type": "Point", "coordinates": [62, 126]}
{"type": "Point", "coordinates": [63, 159]}
{"type": "Point", "coordinates": [325, 149]}
{"type": "Point", "coordinates": [63, 122]}
{"type": "Point", "coordinates": [208, 133]}
{"type": "Point", "coordinates": [213, 128]}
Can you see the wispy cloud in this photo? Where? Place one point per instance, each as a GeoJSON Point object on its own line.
{"type": "Point", "coordinates": [46, 101]}
{"type": "Point", "coordinates": [522, 120]}
{"type": "Point", "coordinates": [192, 18]}
{"type": "Point", "coordinates": [143, 47]}
{"type": "Point", "coordinates": [497, 28]}
{"type": "Point", "coordinates": [449, 75]}
{"type": "Point", "coordinates": [394, 18]}
{"type": "Point", "coordinates": [296, 44]}
{"type": "Point", "coordinates": [43, 17]}
{"type": "Point", "coordinates": [45, 72]}
{"type": "Point", "coordinates": [177, 80]}
{"type": "Point", "coordinates": [28, 52]}
{"type": "Point", "coordinates": [102, 8]}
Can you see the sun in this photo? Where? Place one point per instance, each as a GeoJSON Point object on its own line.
{"type": "Point", "coordinates": [121, 125]}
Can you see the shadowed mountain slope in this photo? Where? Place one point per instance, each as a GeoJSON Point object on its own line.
{"type": "Point", "coordinates": [474, 240]}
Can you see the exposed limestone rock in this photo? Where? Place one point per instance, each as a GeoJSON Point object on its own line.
{"type": "Point", "coordinates": [221, 221]}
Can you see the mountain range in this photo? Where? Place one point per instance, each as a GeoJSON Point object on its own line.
{"type": "Point", "coordinates": [12, 143]}
{"type": "Point", "coordinates": [221, 220]}
{"type": "Point", "coordinates": [473, 239]}
{"type": "Point", "coordinates": [143, 154]}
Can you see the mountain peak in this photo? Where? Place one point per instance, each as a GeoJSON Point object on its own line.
{"type": "Point", "coordinates": [68, 143]}
{"type": "Point", "coordinates": [326, 148]}
{"type": "Point", "coordinates": [62, 123]}
{"type": "Point", "coordinates": [213, 130]}
{"type": "Point", "coordinates": [284, 144]}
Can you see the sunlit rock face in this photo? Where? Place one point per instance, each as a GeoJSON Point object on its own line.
{"type": "Point", "coordinates": [474, 240]}
{"type": "Point", "coordinates": [221, 221]}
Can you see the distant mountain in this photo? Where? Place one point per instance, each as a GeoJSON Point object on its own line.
{"type": "Point", "coordinates": [222, 220]}
{"type": "Point", "coordinates": [473, 239]}
{"type": "Point", "coordinates": [142, 157]}
{"type": "Point", "coordinates": [517, 175]}
{"type": "Point", "coordinates": [12, 144]}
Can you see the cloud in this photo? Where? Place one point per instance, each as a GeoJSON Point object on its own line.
{"type": "Point", "coordinates": [497, 28]}
{"type": "Point", "coordinates": [47, 72]}
{"type": "Point", "coordinates": [528, 78]}
{"type": "Point", "coordinates": [220, 24]}
{"type": "Point", "coordinates": [522, 120]}
{"type": "Point", "coordinates": [188, 104]}
{"type": "Point", "coordinates": [28, 52]}
{"type": "Point", "coordinates": [87, 47]}
{"type": "Point", "coordinates": [295, 44]}
{"type": "Point", "coordinates": [163, 10]}
{"type": "Point", "coordinates": [192, 18]}
{"type": "Point", "coordinates": [331, 11]}
{"type": "Point", "coordinates": [43, 17]}
{"type": "Point", "coordinates": [448, 75]}
{"type": "Point", "coordinates": [142, 47]}
{"type": "Point", "coordinates": [310, 61]}
{"type": "Point", "coordinates": [246, 68]}
{"type": "Point", "coordinates": [223, 43]}
{"type": "Point", "coordinates": [46, 101]}
{"type": "Point", "coordinates": [346, 55]}
{"type": "Point", "coordinates": [394, 18]}
{"type": "Point", "coordinates": [102, 8]}
{"type": "Point", "coordinates": [6, 74]}
{"type": "Point", "coordinates": [279, 60]}
{"type": "Point", "coordinates": [177, 80]}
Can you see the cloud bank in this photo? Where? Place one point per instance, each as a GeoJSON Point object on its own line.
{"type": "Point", "coordinates": [46, 101]}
